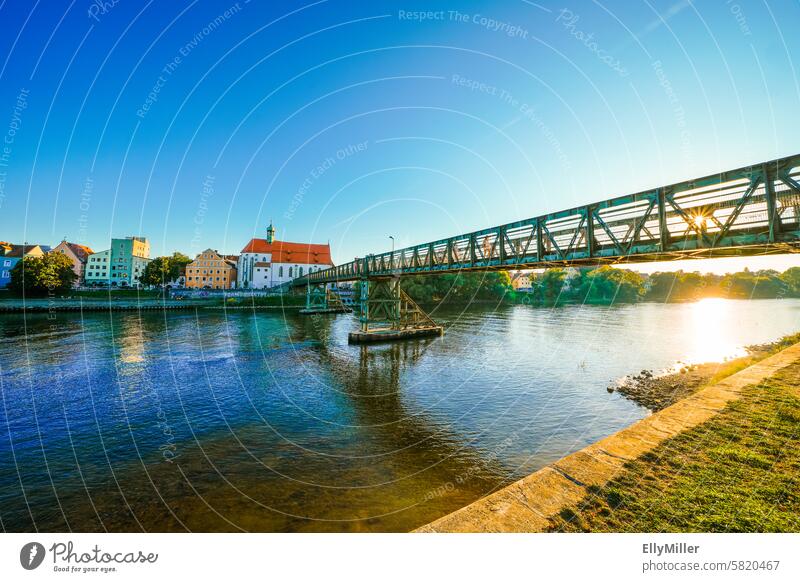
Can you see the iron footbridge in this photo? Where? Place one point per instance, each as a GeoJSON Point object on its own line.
{"type": "Point", "coordinates": [754, 210]}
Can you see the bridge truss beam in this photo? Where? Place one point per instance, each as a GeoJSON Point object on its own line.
{"type": "Point", "coordinates": [748, 211]}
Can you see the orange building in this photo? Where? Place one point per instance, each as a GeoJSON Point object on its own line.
{"type": "Point", "coordinates": [210, 270]}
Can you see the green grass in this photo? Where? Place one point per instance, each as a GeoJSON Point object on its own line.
{"type": "Point", "coordinates": [738, 472]}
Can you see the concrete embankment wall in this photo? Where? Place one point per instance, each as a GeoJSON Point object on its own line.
{"type": "Point", "coordinates": [528, 504]}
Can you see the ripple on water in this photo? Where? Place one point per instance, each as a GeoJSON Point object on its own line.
{"type": "Point", "coordinates": [272, 422]}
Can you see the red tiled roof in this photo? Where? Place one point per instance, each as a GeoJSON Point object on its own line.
{"type": "Point", "coordinates": [81, 251]}
{"type": "Point", "coordinates": [289, 252]}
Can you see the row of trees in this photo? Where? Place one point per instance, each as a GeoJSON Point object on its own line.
{"type": "Point", "coordinates": [458, 287]}
{"type": "Point", "coordinates": [607, 284]}
{"type": "Point", "coordinates": [604, 285]}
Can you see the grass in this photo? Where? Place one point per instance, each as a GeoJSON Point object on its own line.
{"type": "Point", "coordinates": [757, 354]}
{"type": "Point", "coordinates": [738, 472]}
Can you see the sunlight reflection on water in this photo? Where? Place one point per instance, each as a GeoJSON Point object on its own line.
{"type": "Point", "coordinates": [712, 336]}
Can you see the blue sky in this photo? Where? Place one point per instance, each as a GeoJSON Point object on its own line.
{"type": "Point", "coordinates": [196, 123]}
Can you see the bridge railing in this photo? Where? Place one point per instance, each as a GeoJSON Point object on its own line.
{"type": "Point", "coordinates": [735, 211]}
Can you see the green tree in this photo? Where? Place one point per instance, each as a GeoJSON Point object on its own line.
{"type": "Point", "coordinates": [607, 284]}
{"type": "Point", "coordinates": [791, 277]}
{"type": "Point", "coordinates": [51, 273]}
{"type": "Point", "coordinates": [163, 270]}
{"type": "Point", "coordinates": [155, 273]}
{"type": "Point", "coordinates": [661, 285]}
{"type": "Point", "coordinates": [551, 282]}
{"type": "Point", "coordinates": [458, 287]}
{"type": "Point", "coordinates": [682, 286]}
{"type": "Point", "coordinates": [177, 265]}
{"type": "Point", "coordinates": [759, 285]}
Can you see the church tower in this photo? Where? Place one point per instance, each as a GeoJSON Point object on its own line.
{"type": "Point", "coordinates": [270, 233]}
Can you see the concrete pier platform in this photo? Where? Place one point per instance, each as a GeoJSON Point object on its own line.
{"type": "Point", "coordinates": [314, 311]}
{"type": "Point", "coordinates": [390, 335]}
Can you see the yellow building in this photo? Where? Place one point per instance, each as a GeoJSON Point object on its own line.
{"type": "Point", "coordinates": [210, 270]}
{"type": "Point", "coordinates": [521, 280]}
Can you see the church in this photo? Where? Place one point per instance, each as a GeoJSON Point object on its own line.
{"type": "Point", "coordinates": [266, 262]}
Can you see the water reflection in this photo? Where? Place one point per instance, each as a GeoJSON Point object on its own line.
{"type": "Point", "coordinates": [711, 338]}
{"type": "Point", "coordinates": [269, 421]}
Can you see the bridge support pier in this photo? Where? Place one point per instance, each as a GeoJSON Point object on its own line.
{"type": "Point", "coordinates": [321, 299]}
{"type": "Point", "coordinates": [387, 313]}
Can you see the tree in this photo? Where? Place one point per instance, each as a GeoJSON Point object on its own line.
{"type": "Point", "coordinates": [791, 277]}
{"type": "Point", "coordinates": [607, 284]}
{"type": "Point", "coordinates": [156, 273]}
{"type": "Point", "coordinates": [551, 282]}
{"type": "Point", "coordinates": [458, 287]}
{"type": "Point", "coordinates": [759, 285]}
{"type": "Point", "coordinates": [51, 273]}
{"type": "Point", "coordinates": [682, 286]}
{"type": "Point", "coordinates": [661, 285]}
{"type": "Point", "coordinates": [177, 265]}
{"type": "Point", "coordinates": [163, 270]}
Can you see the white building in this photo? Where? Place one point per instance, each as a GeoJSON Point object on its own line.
{"type": "Point", "coordinates": [266, 262]}
{"type": "Point", "coordinates": [98, 268]}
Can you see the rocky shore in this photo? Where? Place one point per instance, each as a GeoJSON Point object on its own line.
{"type": "Point", "coordinates": [657, 391]}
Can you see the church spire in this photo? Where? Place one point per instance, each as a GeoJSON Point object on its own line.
{"type": "Point", "coordinates": [270, 233]}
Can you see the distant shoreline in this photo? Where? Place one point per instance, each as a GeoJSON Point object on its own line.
{"type": "Point", "coordinates": [13, 305]}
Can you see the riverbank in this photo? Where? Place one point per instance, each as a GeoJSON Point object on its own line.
{"type": "Point", "coordinates": [722, 459]}
{"type": "Point", "coordinates": [657, 391]}
{"type": "Point", "coordinates": [738, 472]}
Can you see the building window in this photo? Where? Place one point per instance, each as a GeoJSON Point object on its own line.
{"type": "Point", "coordinates": [280, 271]}
{"type": "Point", "coordinates": [301, 271]}
{"type": "Point", "coordinates": [290, 271]}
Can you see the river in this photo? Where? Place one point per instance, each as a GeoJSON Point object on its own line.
{"type": "Point", "coordinates": [270, 421]}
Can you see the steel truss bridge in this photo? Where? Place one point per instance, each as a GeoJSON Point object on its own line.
{"type": "Point", "coordinates": [754, 210]}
